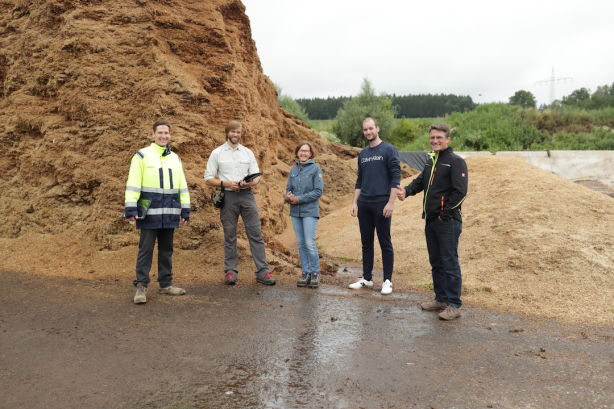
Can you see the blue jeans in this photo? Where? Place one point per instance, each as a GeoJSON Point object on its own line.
{"type": "Point", "coordinates": [442, 244]}
{"type": "Point", "coordinates": [305, 232]}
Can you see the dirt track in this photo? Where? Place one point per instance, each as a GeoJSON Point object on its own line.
{"type": "Point", "coordinates": [282, 347]}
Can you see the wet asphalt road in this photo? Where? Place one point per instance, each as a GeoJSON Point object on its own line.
{"type": "Point", "coordinates": [83, 344]}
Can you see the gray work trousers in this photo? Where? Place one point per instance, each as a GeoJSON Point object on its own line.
{"type": "Point", "coordinates": [165, 256]}
{"type": "Point", "coordinates": [242, 203]}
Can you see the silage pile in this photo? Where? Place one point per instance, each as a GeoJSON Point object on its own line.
{"type": "Point", "coordinates": [532, 243]}
{"type": "Point", "coordinates": [81, 82]}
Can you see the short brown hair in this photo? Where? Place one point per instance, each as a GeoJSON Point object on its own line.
{"type": "Point", "coordinates": [369, 118]}
{"type": "Point", "coordinates": [298, 147]}
{"type": "Point", "coordinates": [161, 122]}
{"type": "Point", "coordinates": [232, 125]}
{"type": "Point", "coordinates": [440, 127]}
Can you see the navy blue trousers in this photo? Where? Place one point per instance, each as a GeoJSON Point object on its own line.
{"type": "Point", "coordinates": [370, 220]}
{"type": "Point", "coordinates": [165, 256]}
{"type": "Point", "coordinates": [442, 244]}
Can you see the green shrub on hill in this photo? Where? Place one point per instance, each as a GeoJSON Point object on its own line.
{"type": "Point", "coordinates": [494, 127]}
{"type": "Point", "coordinates": [502, 127]}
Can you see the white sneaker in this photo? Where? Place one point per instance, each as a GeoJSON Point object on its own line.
{"type": "Point", "coordinates": [387, 287]}
{"type": "Point", "coordinates": [361, 284]}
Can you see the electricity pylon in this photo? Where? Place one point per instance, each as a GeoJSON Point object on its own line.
{"type": "Point", "coordinates": [553, 80]}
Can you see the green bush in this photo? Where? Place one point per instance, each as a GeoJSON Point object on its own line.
{"type": "Point", "coordinates": [405, 131]}
{"type": "Point", "coordinates": [348, 127]}
{"type": "Point", "coordinates": [290, 105]}
{"type": "Point", "coordinates": [494, 127]}
{"type": "Point", "coordinates": [601, 138]}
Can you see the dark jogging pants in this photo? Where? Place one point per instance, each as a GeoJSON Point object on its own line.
{"type": "Point", "coordinates": [370, 220]}
{"type": "Point", "coordinates": [442, 244]}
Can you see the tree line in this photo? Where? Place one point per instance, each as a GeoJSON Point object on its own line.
{"type": "Point", "coordinates": [405, 106]}
{"type": "Point", "coordinates": [603, 97]}
{"type": "Point", "coordinates": [581, 120]}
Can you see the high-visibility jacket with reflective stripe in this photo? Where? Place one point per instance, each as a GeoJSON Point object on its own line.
{"type": "Point", "coordinates": [156, 174]}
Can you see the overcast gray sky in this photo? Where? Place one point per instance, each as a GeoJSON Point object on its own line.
{"type": "Point", "coordinates": [485, 49]}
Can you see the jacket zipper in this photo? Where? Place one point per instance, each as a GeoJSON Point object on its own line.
{"type": "Point", "coordinates": [434, 160]}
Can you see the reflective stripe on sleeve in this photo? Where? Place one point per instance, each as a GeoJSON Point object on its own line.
{"type": "Point", "coordinates": [185, 205]}
{"type": "Point", "coordinates": [130, 204]}
{"type": "Point", "coordinates": [182, 191]}
{"type": "Point", "coordinates": [133, 189]}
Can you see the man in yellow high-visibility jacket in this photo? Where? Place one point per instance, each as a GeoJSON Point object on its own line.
{"type": "Point", "coordinates": [157, 198]}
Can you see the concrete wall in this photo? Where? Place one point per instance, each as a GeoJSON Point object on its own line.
{"type": "Point", "coordinates": [571, 165]}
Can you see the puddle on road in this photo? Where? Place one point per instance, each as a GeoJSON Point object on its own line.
{"type": "Point", "coordinates": [317, 337]}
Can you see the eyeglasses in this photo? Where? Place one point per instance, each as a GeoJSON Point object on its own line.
{"type": "Point", "coordinates": [304, 151]}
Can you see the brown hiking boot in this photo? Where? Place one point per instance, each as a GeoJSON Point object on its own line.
{"type": "Point", "coordinates": [450, 313]}
{"type": "Point", "coordinates": [141, 294]}
{"type": "Point", "coordinates": [172, 290]}
{"type": "Point", "coordinates": [433, 305]}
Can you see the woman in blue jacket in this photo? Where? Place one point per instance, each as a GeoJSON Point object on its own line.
{"type": "Point", "coordinates": [303, 190]}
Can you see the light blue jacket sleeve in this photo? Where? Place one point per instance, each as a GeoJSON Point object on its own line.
{"type": "Point", "coordinates": [318, 187]}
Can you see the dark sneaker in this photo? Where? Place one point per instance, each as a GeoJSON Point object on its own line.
{"type": "Point", "coordinates": [315, 280]}
{"type": "Point", "coordinates": [433, 305]}
{"type": "Point", "coordinates": [304, 280]}
{"type": "Point", "coordinates": [141, 294]}
{"type": "Point", "coordinates": [450, 313]}
{"type": "Point", "coordinates": [230, 278]}
{"type": "Point", "coordinates": [172, 290]}
{"type": "Point", "coordinates": [265, 278]}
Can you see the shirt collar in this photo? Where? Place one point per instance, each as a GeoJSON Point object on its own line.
{"type": "Point", "coordinates": [230, 148]}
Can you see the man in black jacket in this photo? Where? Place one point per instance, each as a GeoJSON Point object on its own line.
{"type": "Point", "coordinates": [444, 182]}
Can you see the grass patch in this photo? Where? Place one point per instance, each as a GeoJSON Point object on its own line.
{"type": "Point", "coordinates": [322, 124]}
{"type": "Point", "coordinates": [426, 286]}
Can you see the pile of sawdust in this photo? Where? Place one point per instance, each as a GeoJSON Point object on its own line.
{"type": "Point", "coordinates": [80, 85]}
{"type": "Point", "coordinates": [532, 243]}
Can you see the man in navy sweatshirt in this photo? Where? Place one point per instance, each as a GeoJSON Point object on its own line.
{"type": "Point", "coordinates": [379, 176]}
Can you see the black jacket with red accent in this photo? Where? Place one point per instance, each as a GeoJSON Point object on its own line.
{"type": "Point", "coordinates": [444, 181]}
